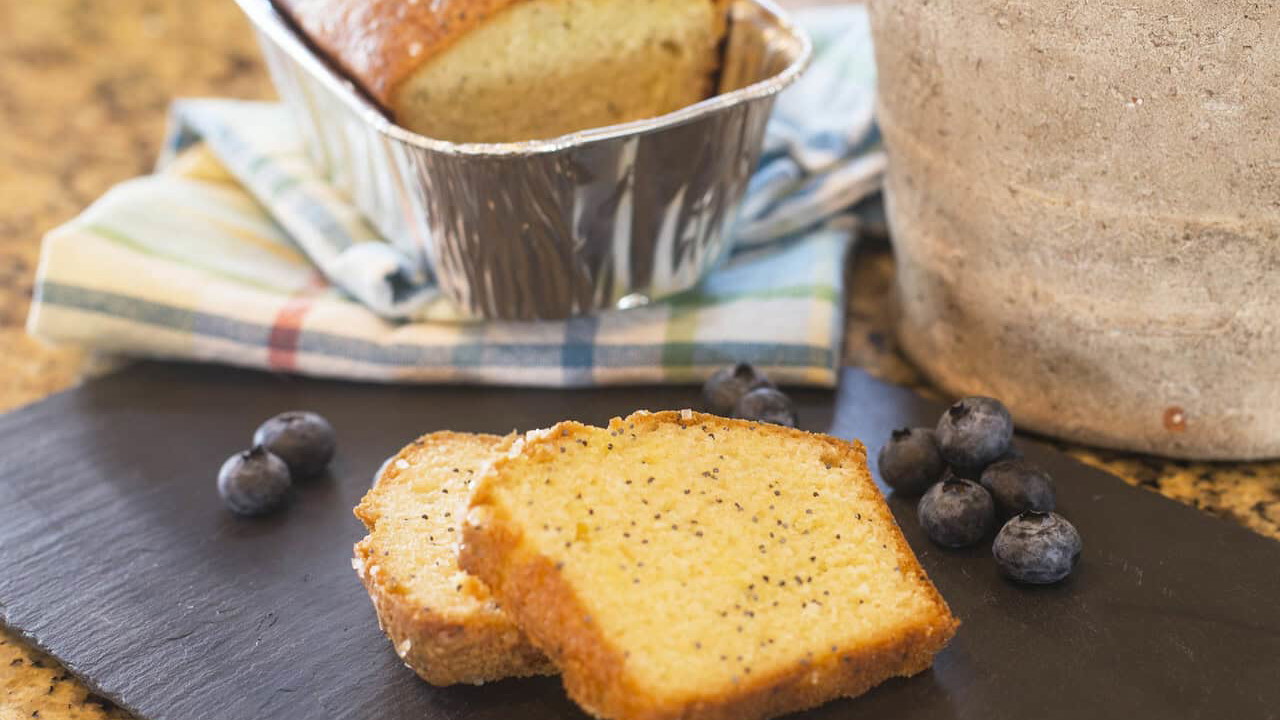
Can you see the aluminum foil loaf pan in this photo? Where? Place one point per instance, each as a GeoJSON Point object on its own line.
{"type": "Point", "coordinates": [608, 217]}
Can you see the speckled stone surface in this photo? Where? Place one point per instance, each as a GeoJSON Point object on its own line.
{"type": "Point", "coordinates": [83, 91]}
{"type": "Point", "coordinates": [33, 685]}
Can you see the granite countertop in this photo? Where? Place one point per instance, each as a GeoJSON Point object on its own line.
{"type": "Point", "coordinates": [83, 93]}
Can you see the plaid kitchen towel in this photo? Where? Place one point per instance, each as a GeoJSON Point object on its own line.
{"type": "Point", "coordinates": [236, 252]}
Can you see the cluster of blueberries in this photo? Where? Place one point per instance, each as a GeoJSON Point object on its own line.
{"type": "Point", "coordinates": [292, 446]}
{"type": "Point", "coordinates": [742, 391]}
{"type": "Point", "coordinates": [973, 441]}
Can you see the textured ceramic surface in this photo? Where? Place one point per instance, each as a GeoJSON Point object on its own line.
{"type": "Point", "coordinates": [550, 228]}
{"type": "Point", "coordinates": [1086, 212]}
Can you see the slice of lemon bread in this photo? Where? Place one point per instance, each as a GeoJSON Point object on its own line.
{"type": "Point", "coordinates": [682, 565]}
{"type": "Point", "coordinates": [443, 622]}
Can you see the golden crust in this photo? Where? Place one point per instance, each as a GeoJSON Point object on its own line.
{"type": "Point", "coordinates": [545, 606]}
{"type": "Point", "coordinates": [380, 43]}
{"type": "Point", "coordinates": [445, 645]}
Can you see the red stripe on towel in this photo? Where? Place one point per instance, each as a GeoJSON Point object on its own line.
{"type": "Point", "coordinates": [282, 343]}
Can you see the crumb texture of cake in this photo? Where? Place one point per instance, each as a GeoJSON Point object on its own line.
{"type": "Point", "coordinates": [442, 622]}
{"type": "Point", "coordinates": [507, 70]}
{"type": "Point", "coordinates": [682, 565]}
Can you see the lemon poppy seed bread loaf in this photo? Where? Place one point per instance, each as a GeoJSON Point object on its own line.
{"type": "Point", "coordinates": [511, 70]}
{"type": "Point", "coordinates": [682, 565]}
{"type": "Point", "coordinates": [442, 622]}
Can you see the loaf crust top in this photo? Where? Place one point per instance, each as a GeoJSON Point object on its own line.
{"type": "Point", "coordinates": [379, 43]}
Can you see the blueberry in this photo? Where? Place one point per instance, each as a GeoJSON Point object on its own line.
{"type": "Point", "coordinates": [975, 473]}
{"type": "Point", "coordinates": [304, 440]}
{"type": "Point", "coordinates": [910, 461]}
{"type": "Point", "coordinates": [766, 404]}
{"type": "Point", "coordinates": [1037, 547]}
{"type": "Point", "coordinates": [723, 389]}
{"type": "Point", "coordinates": [974, 432]}
{"type": "Point", "coordinates": [956, 512]}
{"type": "Point", "coordinates": [254, 482]}
{"type": "Point", "coordinates": [1018, 485]}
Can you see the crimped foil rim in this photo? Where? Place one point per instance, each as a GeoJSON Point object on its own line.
{"type": "Point", "coordinates": [266, 19]}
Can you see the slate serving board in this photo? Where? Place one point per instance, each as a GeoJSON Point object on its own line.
{"type": "Point", "coordinates": [119, 559]}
